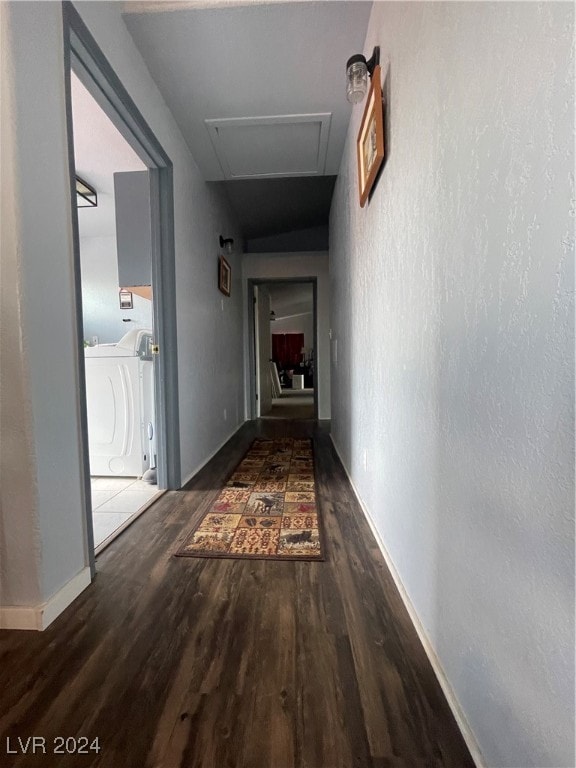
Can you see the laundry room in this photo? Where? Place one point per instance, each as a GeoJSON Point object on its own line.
{"type": "Point", "coordinates": [113, 189]}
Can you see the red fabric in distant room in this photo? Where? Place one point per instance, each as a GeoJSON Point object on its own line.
{"type": "Point", "coordinates": [287, 348]}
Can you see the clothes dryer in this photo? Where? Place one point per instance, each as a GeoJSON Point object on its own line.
{"type": "Point", "coordinates": [120, 404]}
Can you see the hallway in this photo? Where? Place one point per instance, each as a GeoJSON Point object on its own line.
{"type": "Point", "coordinates": [292, 404]}
{"type": "Point", "coordinates": [196, 662]}
{"type": "Point", "coordinates": [428, 201]}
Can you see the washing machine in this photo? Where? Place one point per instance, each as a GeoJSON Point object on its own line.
{"type": "Point", "coordinates": [120, 404]}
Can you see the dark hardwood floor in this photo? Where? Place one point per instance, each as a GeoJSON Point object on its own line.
{"type": "Point", "coordinates": [232, 663]}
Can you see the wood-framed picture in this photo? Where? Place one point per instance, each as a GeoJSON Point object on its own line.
{"type": "Point", "coordinates": [126, 301]}
{"type": "Point", "coordinates": [224, 276]}
{"type": "Point", "coordinates": [370, 141]}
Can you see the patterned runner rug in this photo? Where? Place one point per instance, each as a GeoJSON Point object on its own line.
{"type": "Point", "coordinates": [267, 510]}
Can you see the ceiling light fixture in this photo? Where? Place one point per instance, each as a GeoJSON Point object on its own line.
{"type": "Point", "coordinates": [227, 243]}
{"type": "Point", "coordinates": [86, 196]}
{"type": "Point", "coordinates": [357, 71]}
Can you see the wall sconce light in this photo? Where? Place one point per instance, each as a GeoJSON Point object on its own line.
{"type": "Point", "coordinates": [357, 71]}
{"type": "Point", "coordinates": [86, 196]}
{"type": "Point", "coordinates": [227, 243]}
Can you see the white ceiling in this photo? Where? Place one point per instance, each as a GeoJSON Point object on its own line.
{"type": "Point", "coordinates": [290, 299]}
{"type": "Point", "coordinates": [278, 60]}
{"type": "Point", "coordinates": [258, 91]}
{"type": "Point", "coordinates": [99, 152]}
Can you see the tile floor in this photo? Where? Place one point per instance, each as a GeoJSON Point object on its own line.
{"type": "Point", "coordinates": [115, 500]}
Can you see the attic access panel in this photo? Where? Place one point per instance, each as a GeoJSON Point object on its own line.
{"type": "Point", "coordinates": [271, 147]}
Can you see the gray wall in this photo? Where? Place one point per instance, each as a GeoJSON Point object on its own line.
{"type": "Point", "coordinates": [292, 265]}
{"type": "Point", "coordinates": [42, 534]}
{"type": "Point", "coordinates": [210, 354]}
{"type": "Point", "coordinates": [19, 534]}
{"type": "Point", "coordinates": [100, 303]}
{"type": "Point", "coordinates": [453, 390]}
{"type": "Point", "coordinates": [44, 456]}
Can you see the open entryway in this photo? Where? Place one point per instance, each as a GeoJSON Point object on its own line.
{"type": "Point", "coordinates": [114, 227]}
{"type": "Point", "coordinates": [285, 349]}
{"type": "Point", "coordinates": [124, 270]}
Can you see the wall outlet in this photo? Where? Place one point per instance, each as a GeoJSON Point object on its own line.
{"type": "Point", "coordinates": [94, 341]}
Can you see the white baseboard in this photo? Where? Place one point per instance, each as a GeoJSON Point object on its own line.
{"type": "Point", "coordinates": [214, 452]}
{"type": "Point", "coordinates": [39, 617]}
{"type": "Point", "coordinates": [447, 689]}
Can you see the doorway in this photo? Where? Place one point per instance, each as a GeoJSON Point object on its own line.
{"type": "Point", "coordinates": [284, 349]}
{"type": "Point", "coordinates": [117, 311]}
{"type": "Point", "coordinates": [84, 58]}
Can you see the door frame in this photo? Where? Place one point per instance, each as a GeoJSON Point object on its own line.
{"type": "Point", "coordinates": [256, 342]}
{"type": "Point", "coordinates": [84, 56]}
{"type": "Point", "coordinates": [252, 360]}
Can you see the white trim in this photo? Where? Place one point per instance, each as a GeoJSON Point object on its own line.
{"type": "Point", "coordinates": [214, 452]}
{"type": "Point", "coordinates": [441, 676]}
{"type": "Point", "coordinates": [39, 617]}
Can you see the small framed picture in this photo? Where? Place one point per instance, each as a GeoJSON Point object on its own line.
{"type": "Point", "coordinates": [126, 299]}
{"type": "Point", "coordinates": [370, 142]}
{"type": "Point", "coordinates": [224, 276]}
